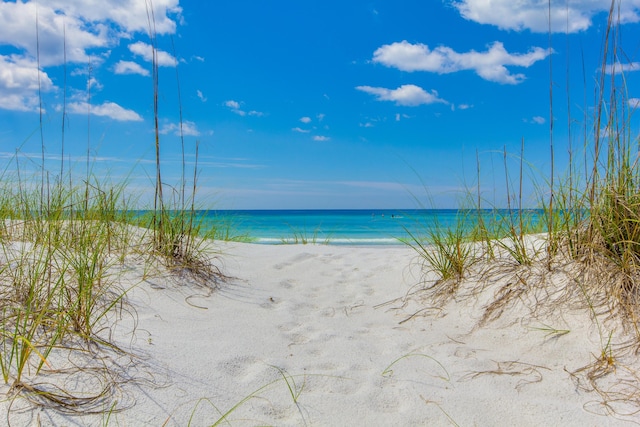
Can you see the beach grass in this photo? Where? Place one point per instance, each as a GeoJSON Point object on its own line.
{"type": "Point", "coordinates": [64, 241]}
{"type": "Point", "coordinates": [303, 237]}
{"type": "Point", "coordinates": [590, 229]}
{"type": "Point", "coordinates": [593, 215]}
{"type": "Point", "coordinates": [61, 245]}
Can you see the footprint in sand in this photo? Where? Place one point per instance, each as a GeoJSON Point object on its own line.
{"type": "Point", "coordinates": [271, 303]}
{"type": "Point", "coordinates": [294, 260]}
{"type": "Point", "coordinates": [287, 284]}
{"type": "Point", "coordinates": [288, 327]}
{"type": "Point", "coordinates": [243, 368]}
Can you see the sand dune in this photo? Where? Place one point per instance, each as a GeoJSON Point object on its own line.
{"type": "Point", "coordinates": [333, 336]}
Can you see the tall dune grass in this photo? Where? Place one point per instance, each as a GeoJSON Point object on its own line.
{"type": "Point", "coordinates": [593, 213]}
{"type": "Point", "coordinates": [63, 244]}
{"type": "Point", "coordinates": [591, 219]}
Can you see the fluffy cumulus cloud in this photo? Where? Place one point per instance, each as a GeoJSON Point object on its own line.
{"type": "Point", "coordinates": [187, 129]}
{"type": "Point", "coordinates": [145, 50]}
{"type": "Point", "coordinates": [533, 15]}
{"type": "Point", "coordinates": [232, 104]}
{"type": "Point", "coordinates": [80, 24]}
{"type": "Point", "coordinates": [622, 68]}
{"type": "Point", "coordinates": [107, 109]}
{"type": "Point", "coordinates": [75, 32]}
{"type": "Point", "coordinates": [130, 67]}
{"type": "Point", "coordinates": [406, 95]}
{"type": "Point", "coordinates": [19, 84]}
{"type": "Point", "coordinates": [491, 64]}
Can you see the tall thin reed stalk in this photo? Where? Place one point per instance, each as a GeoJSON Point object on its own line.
{"type": "Point", "coordinates": [552, 244]}
{"type": "Point", "coordinates": [158, 206]}
{"type": "Point", "coordinates": [42, 148]}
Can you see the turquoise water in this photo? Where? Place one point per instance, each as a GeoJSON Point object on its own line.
{"type": "Point", "coordinates": [339, 227]}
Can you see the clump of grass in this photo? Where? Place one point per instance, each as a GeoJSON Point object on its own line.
{"type": "Point", "coordinates": [222, 228]}
{"type": "Point", "coordinates": [62, 244]}
{"type": "Point", "coordinates": [596, 217]}
{"type": "Point", "coordinates": [302, 237]}
{"type": "Point", "coordinates": [607, 238]}
{"type": "Point", "coordinates": [446, 250]}
{"type": "Point", "coordinates": [173, 221]}
{"type": "Point", "coordinates": [591, 220]}
{"type": "Point", "coordinates": [55, 284]}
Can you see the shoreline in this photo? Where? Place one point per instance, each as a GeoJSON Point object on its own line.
{"type": "Point", "coordinates": [332, 335]}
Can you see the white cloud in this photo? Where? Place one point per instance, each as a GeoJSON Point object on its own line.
{"type": "Point", "coordinates": [538, 120]}
{"type": "Point", "coordinates": [320, 117]}
{"type": "Point", "coordinates": [106, 109]}
{"type": "Point", "coordinates": [17, 102]}
{"type": "Point", "coordinates": [464, 106]}
{"type": "Point", "coordinates": [201, 96]}
{"type": "Point", "coordinates": [19, 84]}
{"type": "Point", "coordinates": [406, 95]}
{"type": "Point", "coordinates": [634, 102]}
{"type": "Point", "coordinates": [18, 23]}
{"type": "Point", "coordinates": [622, 68]}
{"type": "Point", "coordinates": [145, 50]}
{"type": "Point", "coordinates": [130, 15]}
{"type": "Point", "coordinates": [80, 24]}
{"type": "Point", "coordinates": [71, 31]}
{"type": "Point", "coordinates": [490, 65]}
{"type": "Point", "coordinates": [566, 16]}
{"type": "Point", "coordinates": [305, 119]}
{"type": "Point", "coordinates": [300, 130]}
{"type": "Point", "coordinates": [94, 85]}
{"type": "Point", "coordinates": [129, 67]}
{"type": "Point", "coordinates": [188, 129]}
{"type": "Point", "coordinates": [321, 138]}
{"type": "Point", "coordinates": [235, 107]}
{"type": "Point", "coordinates": [402, 116]}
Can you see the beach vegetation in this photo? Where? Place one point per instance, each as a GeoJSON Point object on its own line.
{"type": "Point", "coordinates": [388, 371]}
{"type": "Point", "coordinates": [66, 238]}
{"type": "Point", "coordinates": [63, 245]}
{"type": "Point", "coordinates": [302, 237]}
{"type": "Point", "coordinates": [550, 331]}
{"type": "Point", "coordinates": [586, 230]}
{"type": "Point", "coordinates": [294, 390]}
{"type": "Point", "coordinates": [446, 250]}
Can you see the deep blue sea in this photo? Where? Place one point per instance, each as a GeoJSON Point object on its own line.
{"type": "Point", "coordinates": [338, 227]}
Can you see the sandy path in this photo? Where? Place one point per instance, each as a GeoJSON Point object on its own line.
{"type": "Point", "coordinates": [303, 331]}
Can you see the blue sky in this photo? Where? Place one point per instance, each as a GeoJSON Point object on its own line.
{"type": "Point", "coordinates": [314, 104]}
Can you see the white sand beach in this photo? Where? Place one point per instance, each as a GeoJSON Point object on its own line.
{"type": "Point", "coordinates": [338, 336]}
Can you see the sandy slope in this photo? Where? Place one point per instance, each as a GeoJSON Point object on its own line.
{"type": "Point", "coordinates": [312, 333]}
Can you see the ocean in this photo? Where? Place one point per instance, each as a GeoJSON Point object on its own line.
{"type": "Point", "coordinates": [336, 227]}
